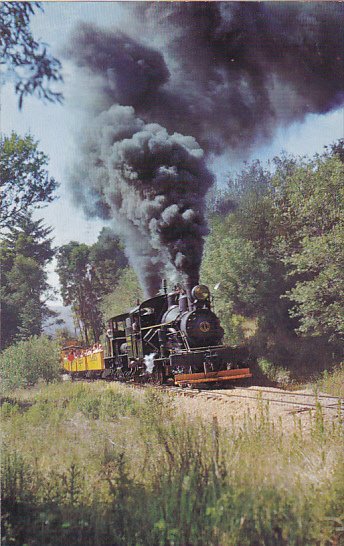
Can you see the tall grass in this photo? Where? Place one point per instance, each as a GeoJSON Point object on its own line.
{"type": "Point", "coordinates": [92, 464]}
{"type": "Point", "coordinates": [332, 382]}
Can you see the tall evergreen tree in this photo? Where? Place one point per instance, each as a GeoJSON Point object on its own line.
{"type": "Point", "coordinates": [86, 274]}
{"type": "Point", "coordinates": [25, 250]}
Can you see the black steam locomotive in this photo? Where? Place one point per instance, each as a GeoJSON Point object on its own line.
{"type": "Point", "coordinates": [172, 338]}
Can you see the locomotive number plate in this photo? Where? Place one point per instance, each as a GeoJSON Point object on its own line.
{"type": "Point", "coordinates": [204, 326]}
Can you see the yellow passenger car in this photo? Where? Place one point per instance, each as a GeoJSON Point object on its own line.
{"type": "Point", "coordinates": [80, 362]}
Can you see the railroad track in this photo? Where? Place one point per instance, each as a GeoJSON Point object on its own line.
{"type": "Point", "coordinates": [299, 401]}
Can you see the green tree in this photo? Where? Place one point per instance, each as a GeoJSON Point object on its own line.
{"type": "Point", "coordinates": [108, 259]}
{"type": "Point", "coordinates": [310, 237]}
{"type": "Point", "coordinates": [25, 183]}
{"type": "Point", "coordinates": [25, 245]}
{"type": "Point", "coordinates": [239, 254]}
{"type": "Point", "coordinates": [77, 290]}
{"type": "Point", "coordinates": [25, 251]}
{"type": "Point", "coordinates": [86, 274]}
{"type": "Point", "coordinates": [27, 62]}
{"type": "Point", "coordinates": [235, 271]}
{"type": "Point", "coordinates": [276, 250]}
{"type": "Point", "coordinates": [252, 195]}
{"type": "Point", "coordinates": [124, 296]}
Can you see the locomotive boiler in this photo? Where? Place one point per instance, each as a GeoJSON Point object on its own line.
{"type": "Point", "coordinates": [172, 338]}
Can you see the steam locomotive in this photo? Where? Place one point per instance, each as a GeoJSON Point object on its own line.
{"type": "Point", "coordinates": [171, 338]}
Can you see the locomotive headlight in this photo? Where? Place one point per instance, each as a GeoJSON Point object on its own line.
{"type": "Point", "coordinates": [200, 292]}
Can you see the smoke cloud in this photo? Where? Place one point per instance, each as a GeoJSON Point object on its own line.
{"type": "Point", "coordinates": [153, 185]}
{"type": "Point", "coordinates": [220, 76]}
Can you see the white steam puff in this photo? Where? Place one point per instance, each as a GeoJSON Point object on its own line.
{"type": "Point", "coordinates": [149, 362]}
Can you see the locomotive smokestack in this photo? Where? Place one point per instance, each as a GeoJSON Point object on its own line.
{"type": "Point", "coordinates": [188, 287]}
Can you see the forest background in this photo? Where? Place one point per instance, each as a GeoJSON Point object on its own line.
{"type": "Point", "coordinates": [273, 257]}
{"type": "Point", "coordinates": [99, 463]}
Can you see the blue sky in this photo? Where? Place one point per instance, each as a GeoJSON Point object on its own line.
{"type": "Point", "coordinates": [55, 126]}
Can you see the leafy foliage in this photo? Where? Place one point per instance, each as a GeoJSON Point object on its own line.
{"type": "Point", "coordinates": [78, 288]}
{"type": "Point", "coordinates": [26, 362]}
{"type": "Point", "coordinates": [86, 274]}
{"type": "Point", "coordinates": [237, 288]}
{"type": "Point", "coordinates": [312, 203]}
{"type": "Point", "coordinates": [24, 252]}
{"type": "Point", "coordinates": [108, 259]}
{"type": "Point", "coordinates": [27, 61]}
{"type": "Point", "coordinates": [275, 253]}
{"type": "Point", "coordinates": [239, 259]}
{"type": "Point", "coordinates": [25, 182]}
{"type": "Point", "coordinates": [124, 296]}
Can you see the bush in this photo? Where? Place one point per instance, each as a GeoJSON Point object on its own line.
{"type": "Point", "coordinates": [274, 373]}
{"type": "Point", "coordinates": [27, 362]}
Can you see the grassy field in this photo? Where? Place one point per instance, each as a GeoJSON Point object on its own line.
{"type": "Point", "coordinates": [97, 465]}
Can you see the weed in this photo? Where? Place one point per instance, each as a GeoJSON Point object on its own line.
{"type": "Point", "coordinates": [332, 382]}
{"type": "Point", "coordinates": [92, 464]}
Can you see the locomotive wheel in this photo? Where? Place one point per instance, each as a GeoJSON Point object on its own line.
{"type": "Point", "coordinates": [159, 377]}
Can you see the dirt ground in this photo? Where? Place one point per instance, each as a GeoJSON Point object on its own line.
{"type": "Point", "coordinates": [286, 408]}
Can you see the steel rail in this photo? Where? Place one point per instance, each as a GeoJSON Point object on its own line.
{"type": "Point", "coordinates": [274, 400]}
{"type": "Point", "coordinates": [203, 393]}
{"type": "Point", "coordinates": [226, 396]}
{"type": "Point", "coordinates": [328, 397]}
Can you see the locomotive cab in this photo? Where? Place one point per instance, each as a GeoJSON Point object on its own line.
{"type": "Point", "coordinates": [116, 349]}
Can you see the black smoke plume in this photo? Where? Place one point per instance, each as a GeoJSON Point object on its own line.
{"type": "Point", "coordinates": [152, 184]}
{"type": "Point", "coordinates": [227, 75]}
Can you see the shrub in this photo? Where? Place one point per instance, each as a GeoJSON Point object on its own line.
{"type": "Point", "coordinates": [27, 362]}
{"type": "Point", "coordinates": [115, 404]}
{"type": "Point", "coordinates": [277, 374]}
